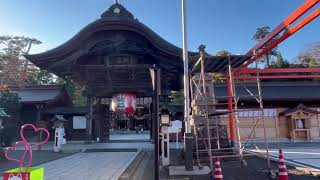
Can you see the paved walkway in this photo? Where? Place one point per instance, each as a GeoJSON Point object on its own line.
{"type": "Point", "coordinates": [81, 146]}
{"type": "Point", "coordinates": [39, 157]}
{"type": "Point", "coordinates": [131, 136]}
{"type": "Point", "coordinates": [88, 166]}
{"type": "Point", "coordinates": [124, 141]}
{"type": "Point", "coordinates": [93, 166]}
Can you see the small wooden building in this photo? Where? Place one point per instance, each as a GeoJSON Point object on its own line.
{"type": "Point", "coordinates": [38, 98]}
{"type": "Point", "coordinates": [73, 117]}
{"type": "Point", "coordinates": [291, 109]}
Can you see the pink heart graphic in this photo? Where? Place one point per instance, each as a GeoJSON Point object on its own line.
{"type": "Point", "coordinates": [35, 130]}
{"type": "Point", "coordinates": [27, 147]}
{"type": "Point", "coordinates": [21, 161]}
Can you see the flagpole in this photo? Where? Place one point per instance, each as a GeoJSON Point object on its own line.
{"type": "Point", "coordinates": [188, 146]}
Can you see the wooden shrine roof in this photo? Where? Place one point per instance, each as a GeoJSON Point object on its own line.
{"type": "Point", "coordinates": [117, 31]}
{"type": "Point", "coordinates": [109, 21]}
{"type": "Point", "coordinates": [45, 94]}
{"type": "Point", "coordinates": [300, 107]}
{"type": "Point", "coordinates": [68, 110]}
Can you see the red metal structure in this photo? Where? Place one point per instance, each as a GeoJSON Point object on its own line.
{"type": "Point", "coordinates": [281, 73]}
{"type": "Point", "coordinates": [284, 30]}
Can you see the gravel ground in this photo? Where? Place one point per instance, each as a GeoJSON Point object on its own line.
{"type": "Point", "coordinates": [257, 169]}
{"type": "Point", "coordinates": [233, 170]}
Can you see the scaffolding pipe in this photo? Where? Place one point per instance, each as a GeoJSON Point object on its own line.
{"type": "Point", "coordinates": [206, 108]}
{"type": "Point", "coordinates": [216, 118]}
{"type": "Point", "coordinates": [263, 122]}
{"type": "Point", "coordinates": [194, 125]}
{"type": "Point", "coordinates": [235, 99]}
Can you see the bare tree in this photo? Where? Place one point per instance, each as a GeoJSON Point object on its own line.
{"type": "Point", "coordinates": [310, 57]}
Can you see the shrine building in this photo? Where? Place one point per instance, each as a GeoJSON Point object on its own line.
{"type": "Point", "coordinates": [127, 72]}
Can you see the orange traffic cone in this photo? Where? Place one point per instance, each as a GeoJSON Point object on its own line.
{"type": "Point", "coordinates": [217, 169]}
{"type": "Point", "coordinates": [282, 171]}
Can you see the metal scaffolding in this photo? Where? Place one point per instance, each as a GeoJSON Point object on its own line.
{"type": "Point", "coordinates": [211, 139]}
{"type": "Point", "coordinates": [199, 89]}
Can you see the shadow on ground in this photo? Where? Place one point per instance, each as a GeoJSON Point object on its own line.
{"type": "Point", "coordinates": [142, 168]}
{"type": "Point", "coordinates": [39, 157]}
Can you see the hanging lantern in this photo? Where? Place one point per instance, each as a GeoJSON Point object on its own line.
{"type": "Point", "coordinates": [124, 102]}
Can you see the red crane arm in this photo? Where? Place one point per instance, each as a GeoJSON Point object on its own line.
{"type": "Point", "coordinates": [290, 32]}
{"type": "Point", "coordinates": [307, 5]}
{"type": "Point", "coordinates": [260, 50]}
{"type": "Point", "coordinates": [288, 21]}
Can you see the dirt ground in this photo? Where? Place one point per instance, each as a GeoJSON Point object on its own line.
{"type": "Point", "coordinates": [256, 169]}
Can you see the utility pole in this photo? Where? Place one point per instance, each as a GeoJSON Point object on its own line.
{"type": "Point", "coordinates": [188, 138]}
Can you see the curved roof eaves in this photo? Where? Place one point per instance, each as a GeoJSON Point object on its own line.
{"type": "Point", "coordinates": [101, 25]}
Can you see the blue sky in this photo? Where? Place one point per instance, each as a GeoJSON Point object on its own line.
{"type": "Point", "coordinates": [219, 24]}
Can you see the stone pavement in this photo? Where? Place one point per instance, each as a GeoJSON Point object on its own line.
{"type": "Point", "coordinates": [85, 166]}
{"type": "Point", "coordinates": [88, 166]}
{"type": "Point", "coordinates": [130, 136]}
{"type": "Point", "coordinates": [81, 146]}
{"type": "Point", "coordinates": [108, 162]}
{"type": "Point", "coordinates": [39, 157]}
{"type": "Point", "coordinates": [124, 141]}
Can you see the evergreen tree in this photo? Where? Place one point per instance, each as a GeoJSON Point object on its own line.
{"type": "Point", "coordinates": [260, 34]}
{"type": "Point", "coordinates": [313, 63]}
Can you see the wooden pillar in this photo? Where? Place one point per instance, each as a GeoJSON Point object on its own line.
{"type": "Point", "coordinates": [318, 123]}
{"type": "Point", "coordinates": [98, 129]}
{"type": "Point", "coordinates": [254, 130]}
{"type": "Point", "coordinates": [89, 119]}
{"type": "Point", "coordinates": [151, 120]}
{"type": "Point", "coordinates": [293, 129]}
{"type": "Point", "coordinates": [38, 106]}
{"type": "Point", "coordinates": [276, 119]}
{"type": "Point", "coordinates": [102, 122]}
{"type": "Point", "coordinates": [37, 123]}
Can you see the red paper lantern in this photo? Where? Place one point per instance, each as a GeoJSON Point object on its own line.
{"type": "Point", "coordinates": [124, 102]}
